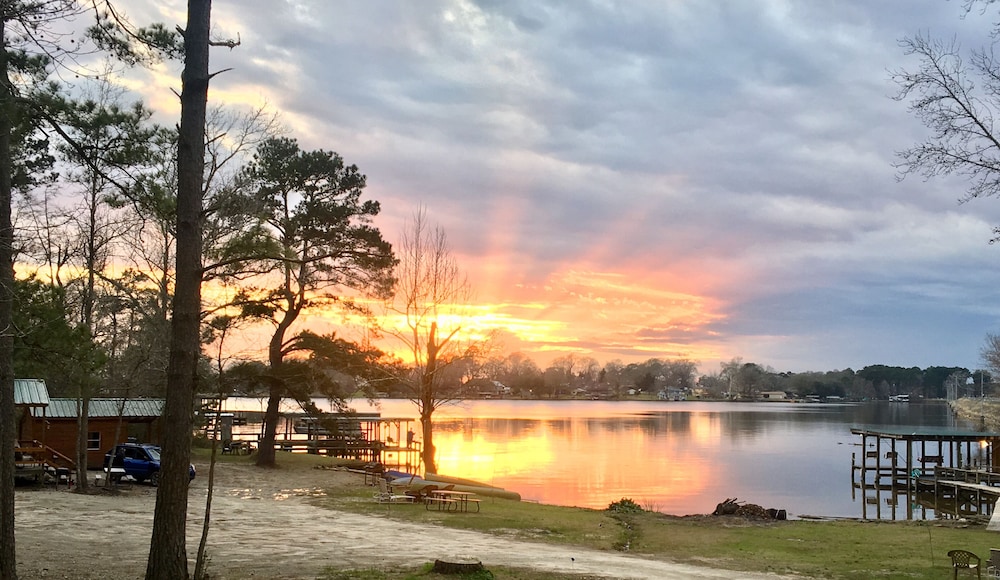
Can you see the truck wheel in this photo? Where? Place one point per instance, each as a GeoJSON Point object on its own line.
{"type": "Point", "coordinates": [154, 479]}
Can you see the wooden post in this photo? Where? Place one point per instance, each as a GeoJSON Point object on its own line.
{"type": "Point", "coordinates": [911, 480]}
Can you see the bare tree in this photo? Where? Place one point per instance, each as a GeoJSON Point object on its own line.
{"type": "Point", "coordinates": [34, 43]}
{"type": "Point", "coordinates": [23, 29]}
{"type": "Point", "coordinates": [426, 315]}
{"type": "Point", "coordinates": [958, 100]}
{"type": "Point", "coordinates": [991, 354]}
{"type": "Point", "coordinates": [107, 140]}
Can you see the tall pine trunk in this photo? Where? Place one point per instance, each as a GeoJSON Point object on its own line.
{"type": "Point", "coordinates": [168, 553]}
{"type": "Point", "coordinates": [265, 447]}
{"type": "Point", "coordinates": [266, 456]}
{"type": "Point", "coordinates": [8, 568]}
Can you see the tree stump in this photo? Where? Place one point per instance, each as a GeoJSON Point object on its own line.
{"type": "Point", "coordinates": [457, 566]}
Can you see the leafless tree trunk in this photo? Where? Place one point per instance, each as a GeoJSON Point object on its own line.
{"type": "Point", "coordinates": [430, 289]}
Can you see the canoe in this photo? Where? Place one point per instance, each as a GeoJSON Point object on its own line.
{"type": "Point", "coordinates": [417, 483]}
{"type": "Point", "coordinates": [456, 480]}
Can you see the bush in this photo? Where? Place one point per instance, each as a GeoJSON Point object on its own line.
{"type": "Point", "coordinates": [625, 506]}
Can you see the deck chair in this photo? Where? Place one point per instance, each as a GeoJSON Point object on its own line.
{"type": "Point", "coordinates": [993, 571]}
{"type": "Point", "coordinates": [964, 560]}
{"type": "Point", "coordinates": [384, 494]}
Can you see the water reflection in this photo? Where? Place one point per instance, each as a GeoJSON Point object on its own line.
{"type": "Point", "coordinates": [678, 458]}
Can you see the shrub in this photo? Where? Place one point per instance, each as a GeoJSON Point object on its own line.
{"type": "Point", "coordinates": [625, 506]}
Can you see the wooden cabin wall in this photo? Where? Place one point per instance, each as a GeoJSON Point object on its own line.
{"type": "Point", "coordinates": [60, 434]}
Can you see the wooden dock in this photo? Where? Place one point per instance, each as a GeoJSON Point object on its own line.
{"type": "Point", "coordinates": [918, 469]}
{"type": "Point", "coordinates": [367, 437]}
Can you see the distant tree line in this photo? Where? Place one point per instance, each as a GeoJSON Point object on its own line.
{"type": "Point", "coordinates": [517, 375]}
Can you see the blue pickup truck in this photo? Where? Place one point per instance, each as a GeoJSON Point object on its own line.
{"type": "Point", "coordinates": [141, 461]}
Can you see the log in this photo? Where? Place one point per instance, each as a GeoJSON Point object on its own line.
{"type": "Point", "coordinates": [457, 566]}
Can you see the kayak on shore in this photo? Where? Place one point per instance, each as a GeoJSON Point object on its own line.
{"type": "Point", "coordinates": [419, 483]}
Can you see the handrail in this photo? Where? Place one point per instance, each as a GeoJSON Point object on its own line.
{"type": "Point", "coordinates": [49, 456]}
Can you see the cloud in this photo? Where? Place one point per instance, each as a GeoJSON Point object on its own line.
{"type": "Point", "coordinates": [647, 178]}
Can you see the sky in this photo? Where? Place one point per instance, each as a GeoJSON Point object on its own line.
{"type": "Point", "coordinates": [630, 180]}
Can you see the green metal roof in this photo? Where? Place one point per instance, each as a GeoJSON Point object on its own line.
{"type": "Point", "coordinates": [103, 408]}
{"type": "Point", "coordinates": [30, 393]}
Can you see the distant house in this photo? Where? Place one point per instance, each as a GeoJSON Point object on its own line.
{"type": "Point", "coordinates": [774, 395]}
{"type": "Point", "coordinates": [487, 389]}
{"type": "Point", "coordinates": [672, 394]}
{"type": "Point", "coordinates": [55, 424]}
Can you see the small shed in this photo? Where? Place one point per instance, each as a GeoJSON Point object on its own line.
{"type": "Point", "coordinates": [56, 424]}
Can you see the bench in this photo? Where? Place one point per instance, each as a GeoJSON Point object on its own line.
{"type": "Point", "coordinates": [449, 500]}
{"type": "Point", "coordinates": [441, 503]}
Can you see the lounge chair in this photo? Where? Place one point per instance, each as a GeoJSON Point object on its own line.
{"type": "Point", "coordinates": [964, 560]}
{"type": "Point", "coordinates": [384, 494]}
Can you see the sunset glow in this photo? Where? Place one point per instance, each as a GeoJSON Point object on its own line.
{"type": "Point", "coordinates": [629, 462]}
{"type": "Point", "coordinates": [627, 199]}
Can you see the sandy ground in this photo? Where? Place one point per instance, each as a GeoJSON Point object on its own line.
{"type": "Point", "coordinates": [264, 526]}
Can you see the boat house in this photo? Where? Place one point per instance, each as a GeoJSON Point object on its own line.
{"type": "Point", "coordinates": [949, 470]}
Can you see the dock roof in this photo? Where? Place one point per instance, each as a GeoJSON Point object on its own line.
{"type": "Point", "coordinates": [922, 433]}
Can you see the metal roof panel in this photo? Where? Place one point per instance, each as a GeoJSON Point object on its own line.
{"type": "Point", "coordinates": [103, 408]}
{"type": "Point", "coordinates": [30, 393]}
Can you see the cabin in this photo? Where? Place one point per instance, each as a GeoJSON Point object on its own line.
{"type": "Point", "coordinates": [110, 421]}
{"type": "Point", "coordinates": [774, 395]}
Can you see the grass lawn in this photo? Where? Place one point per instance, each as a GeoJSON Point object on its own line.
{"type": "Point", "coordinates": [843, 549]}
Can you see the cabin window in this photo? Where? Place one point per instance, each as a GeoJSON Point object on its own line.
{"type": "Point", "coordinates": [94, 441]}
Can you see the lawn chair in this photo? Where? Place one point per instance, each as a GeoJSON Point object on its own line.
{"type": "Point", "coordinates": [993, 571]}
{"type": "Point", "coordinates": [964, 560]}
{"type": "Point", "coordinates": [384, 494]}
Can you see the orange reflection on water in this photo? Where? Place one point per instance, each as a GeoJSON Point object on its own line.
{"type": "Point", "coordinates": [633, 461]}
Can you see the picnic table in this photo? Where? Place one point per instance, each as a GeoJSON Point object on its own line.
{"type": "Point", "coordinates": [113, 476]}
{"type": "Point", "coordinates": [237, 448]}
{"type": "Point", "coordinates": [450, 500]}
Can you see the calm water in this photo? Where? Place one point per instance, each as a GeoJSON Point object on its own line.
{"type": "Point", "coordinates": [676, 457]}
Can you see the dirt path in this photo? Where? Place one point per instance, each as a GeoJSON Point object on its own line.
{"type": "Point", "coordinates": [263, 526]}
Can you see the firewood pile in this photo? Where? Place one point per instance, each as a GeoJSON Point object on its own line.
{"type": "Point", "coordinates": [750, 511]}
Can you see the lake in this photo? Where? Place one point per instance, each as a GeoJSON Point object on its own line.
{"type": "Point", "coordinates": [674, 457]}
